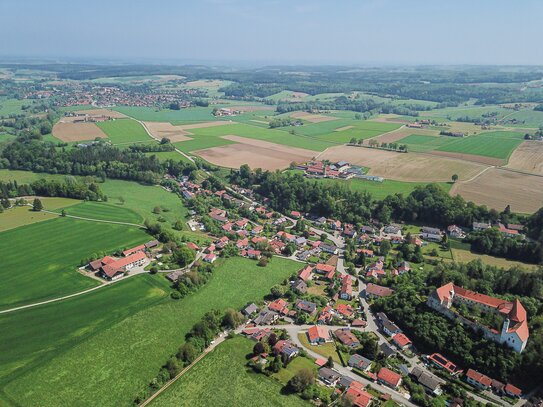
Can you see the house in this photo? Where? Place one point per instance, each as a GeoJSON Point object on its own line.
{"type": "Point", "coordinates": [512, 391]}
{"type": "Point", "coordinates": [455, 231]}
{"type": "Point", "coordinates": [326, 315]}
{"type": "Point", "coordinates": [377, 291]}
{"type": "Point", "coordinates": [357, 396]}
{"type": "Point", "coordinates": [305, 273]}
{"type": "Point", "coordinates": [280, 306]}
{"type": "Point", "coordinates": [192, 246]}
{"type": "Point", "coordinates": [389, 378]}
{"type": "Point", "coordinates": [329, 376]}
{"type": "Point", "coordinates": [387, 350]}
{"type": "Point", "coordinates": [242, 243]}
{"type": "Point", "coordinates": [151, 244]}
{"type": "Point", "coordinates": [318, 335]}
{"type": "Point", "coordinates": [210, 258]}
{"type": "Point", "coordinates": [116, 269]}
{"type": "Point", "coordinates": [349, 232]}
{"type": "Point", "coordinates": [431, 383]}
{"type": "Point", "coordinates": [254, 254]}
{"type": "Point", "coordinates": [329, 248]}
{"type": "Point", "coordinates": [359, 362]}
{"type": "Point", "coordinates": [389, 327]}
{"type": "Point", "coordinates": [96, 264]}
{"type": "Point", "coordinates": [325, 269]}
{"type": "Point", "coordinates": [370, 230]}
{"type": "Point", "coordinates": [133, 250]}
{"type": "Point", "coordinates": [287, 348]}
{"type": "Point", "coordinates": [392, 230]}
{"type": "Point", "coordinates": [249, 309]}
{"type": "Point", "coordinates": [431, 234]}
{"type": "Point", "coordinates": [479, 380]}
{"type": "Point", "coordinates": [441, 362]}
{"type": "Point", "coordinates": [257, 230]}
{"type": "Point", "coordinates": [506, 231]}
{"type": "Point", "coordinates": [346, 310]}
{"type": "Point", "coordinates": [404, 267]}
{"type": "Point", "coordinates": [346, 337]}
{"type": "Point", "coordinates": [300, 241]}
{"type": "Point", "coordinates": [514, 331]}
{"type": "Point", "coordinates": [478, 226]}
{"type": "Point", "coordinates": [266, 317]}
{"type": "Point", "coordinates": [346, 292]}
{"type": "Point", "coordinates": [306, 306]}
{"type": "Point", "coordinates": [299, 286]}
{"type": "Point", "coordinates": [295, 214]}
{"type": "Point", "coordinates": [359, 323]}
{"type": "Point", "coordinates": [174, 275]}
{"type": "Point", "coordinates": [401, 341]}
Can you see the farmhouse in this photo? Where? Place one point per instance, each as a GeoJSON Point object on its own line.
{"type": "Point", "coordinates": [115, 269]}
{"type": "Point", "coordinates": [133, 250]}
{"type": "Point", "coordinates": [514, 332]}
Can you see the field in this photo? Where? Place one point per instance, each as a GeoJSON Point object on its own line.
{"type": "Point", "coordinates": [403, 132]}
{"type": "Point", "coordinates": [411, 167]}
{"type": "Point", "coordinates": [497, 188]}
{"type": "Point", "coordinates": [380, 190]}
{"type": "Point", "coordinates": [70, 132]}
{"type": "Point", "coordinates": [312, 118]}
{"type": "Point", "coordinates": [423, 143]}
{"type": "Point", "coordinates": [204, 384]}
{"type": "Point", "coordinates": [124, 131]}
{"type": "Point", "coordinates": [104, 211]}
{"type": "Point", "coordinates": [526, 118]}
{"type": "Point", "coordinates": [465, 256]}
{"type": "Point", "coordinates": [114, 364]}
{"type": "Point", "coordinates": [499, 144]}
{"type": "Point", "coordinates": [528, 157]}
{"type": "Point", "coordinates": [12, 106]}
{"type": "Point", "coordinates": [180, 132]}
{"type": "Point", "coordinates": [255, 153]}
{"type": "Point", "coordinates": [23, 215]}
{"type": "Point", "coordinates": [40, 260]}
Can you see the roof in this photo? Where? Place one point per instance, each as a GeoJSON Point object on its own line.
{"type": "Point", "coordinates": [325, 268]}
{"type": "Point", "coordinates": [357, 395]}
{"type": "Point", "coordinates": [134, 250]}
{"type": "Point", "coordinates": [278, 305]}
{"type": "Point", "coordinates": [317, 332]}
{"type": "Point", "coordinates": [359, 361]}
{"type": "Point", "coordinates": [389, 377]}
{"type": "Point", "coordinates": [117, 266]}
{"type": "Point", "coordinates": [426, 379]}
{"type": "Point", "coordinates": [509, 388]}
{"type": "Point", "coordinates": [305, 273]}
{"type": "Point", "coordinates": [378, 290]}
{"type": "Point", "coordinates": [346, 337]}
{"type": "Point", "coordinates": [401, 340]}
{"type": "Point", "coordinates": [479, 377]}
{"type": "Point", "coordinates": [327, 373]}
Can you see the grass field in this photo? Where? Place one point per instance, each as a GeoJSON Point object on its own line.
{"type": "Point", "coordinates": [499, 144]}
{"type": "Point", "coordinates": [169, 155]}
{"type": "Point", "coordinates": [104, 211]}
{"type": "Point", "coordinates": [325, 350]}
{"type": "Point", "coordinates": [465, 256]}
{"type": "Point", "coordinates": [211, 137]}
{"type": "Point", "coordinates": [204, 384]}
{"type": "Point", "coordinates": [40, 260]}
{"type": "Point", "coordinates": [124, 131]}
{"type": "Point", "coordinates": [12, 106]}
{"type": "Point", "coordinates": [420, 143]}
{"type": "Point", "coordinates": [114, 364]}
{"type": "Point", "coordinates": [527, 118]}
{"type": "Point", "coordinates": [24, 215]}
{"type": "Point", "coordinates": [31, 337]}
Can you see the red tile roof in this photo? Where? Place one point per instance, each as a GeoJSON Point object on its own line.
{"type": "Point", "coordinates": [357, 395]}
{"type": "Point", "coordinates": [305, 273]}
{"type": "Point", "coordinates": [318, 332]}
{"type": "Point", "coordinates": [378, 290]}
{"type": "Point", "coordinates": [389, 377]}
{"type": "Point", "coordinates": [401, 340]}
{"type": "Point", "coordinates": [479, 377]}
{"type": "Point", "coordinates": [509, 388]}
{"type": "Point", "coordinates": [139, 248]}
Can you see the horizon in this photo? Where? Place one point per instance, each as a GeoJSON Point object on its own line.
{"type": "Point", "coordinates": [276, 32]}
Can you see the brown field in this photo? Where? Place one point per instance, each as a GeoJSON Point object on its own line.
{"type": "Point", "coordinates": [202, 83]}
{"type": "Point", "coordinates": [344, 128]}
{"type": "Point", "coordinates": [470, 157]}
{"type": "Point", "coordinates": [312, 118]}
{"type": "Point", "coordinates": [255, 153]}
{"type": "Point", "coordinates": [497, 188]}
{"type": "Point", "coordinates": [389, 118]}
{"type": "Point", "coordinates": [464, 256]}
{"type": "Point", "coordinates": [528, 157]}
{"type": "Point", "coordinates": [404, 167]}
{"type": "Point", "coordinates": [83, 131]}
{"type": "Point", "coordinates": [168, 130]}
{"type": "Point", "coordinates": [395, 135]}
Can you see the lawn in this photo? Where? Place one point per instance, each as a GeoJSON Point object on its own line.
{"type": "Point", "coordinates": [204, 384]}
{"type": "Point", "coordinates": [112, 366]}
{"type": "Point", "coordinates": [498, 144]}
{"type": "Point", "coordinates": [211, 137]}
{"type": "Point", "coordinates": [104, 211]}
{"type": "Point", "coordinates": [298, 363]}
{"type": "Point", "coordinates": [31, 337]}
{"type": "Point", "coordinates": [24, 215]}
{"type": "Point", "coordinates": [465, 256]}
{"type": "Point", "coordinates": [166, 115]}
{"type": "Point", "coordinates": [325, 350]}
{"type": "Point", "coordinates": [124, 131]}
{"type": "Point", "coordinates": [39, 260]}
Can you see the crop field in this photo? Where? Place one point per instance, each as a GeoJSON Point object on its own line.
{"type": "Point", "coordinates": [528, 157]}
{"type": "Point", "coordinates": [499, 144]}
{"type": "Point", "coordinates": [24, 215]}
{"type": "Point", "coordinates": [473, 112]}
{"type": "Point", "coordinates": [204, 384]}
{"type": "Point", "coordinates": [497, 188]}
{"type": "Point", "coordinates": [422, 143]}
{"type": "Point", "coordinates": [70, 132]}
{"type": "Point", "coordinates": [45, 256]}
{"type": "Point", "coordinates": [120, 360]}
{"type": "Point", "coordinates": [124, 131]}
{"type": "Point", "coordinates": [380, 190]}
{"type": "Point", "coordinates": [397, 136]}
{"type": "Point", "coordinates": [411, 167]}
{"type": "Point", "coordinates": [212, 137]}
{"type": "Point", "coordinates": [104, 211]}
{"type": "Point", "coordinates": [358, 129]}
{"type": "Point", "coordinates": [31, 337]}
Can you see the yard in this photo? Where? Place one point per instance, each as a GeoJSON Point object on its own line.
{"type": "Point", "coordinates": [40, 260]}
{"type": "Point", "coordinates": [110, 367]}
{"type": "Point", "coordinates": [222, 379]}
{"type": "Point", "coordinates": [325, 350]}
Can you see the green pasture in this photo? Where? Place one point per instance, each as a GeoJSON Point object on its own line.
{"type": "Point", "coordinates": [499, 144]}
{"type": "Point", "coordinates": [124, 131]}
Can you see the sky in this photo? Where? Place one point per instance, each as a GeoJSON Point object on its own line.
{"type": "Point", "coordinates": [264, 32]}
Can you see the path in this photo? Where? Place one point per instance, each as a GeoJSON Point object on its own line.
{"type": "Point", "coordinates": [94, 220]}
{"type": "Point", "coordinates": [157, 139]}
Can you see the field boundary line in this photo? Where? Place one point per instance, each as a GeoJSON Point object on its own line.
{"type": "Point", "coordinates": [95, 220]}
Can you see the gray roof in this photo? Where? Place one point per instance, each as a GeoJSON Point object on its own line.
{"type": "Point", "coordinates": [428, 380]}
{"type": "Point", "coordinates": [387, 350]}
{"type": "Point", "coordinates": [327, 373]}
{"type": "Point", "coordinates": [359, 361]}
{"type": "Point", "coordinates": [265, 317]}
{"type": "Point", "coordinates": [250, 309]}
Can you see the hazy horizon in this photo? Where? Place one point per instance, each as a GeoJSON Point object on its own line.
{"type": "Point", "coordinates": [273, 32]}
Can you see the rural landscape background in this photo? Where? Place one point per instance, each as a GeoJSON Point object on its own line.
{"type": "Point", "coordinates": [272, 203]}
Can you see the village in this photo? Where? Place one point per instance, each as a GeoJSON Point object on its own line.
{"type": "Point", "coordinates": [324, 312]}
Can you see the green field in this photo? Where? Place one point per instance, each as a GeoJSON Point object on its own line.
{"type": "Point", "coordinates": [12, 106]}
{"type": "Point", "coordinates": [104, 211]}
{"type": "Point", "coordinates": [168, 155]}
{"type": "Point", "coordinates": [124, 131]}
{"type": "Point", "coordinates": [211, 137]}
{"type": "Point", "coordinates": [24, 215]}
{"type": "Point", "coordinates": [205, 385]}
{"type": "Point", "coordinates": [39, 260]}
{"type": "Point", "coordinates": [421, 143]}
{"type": "Point", "coordinates": [498, 144]}
{"type": "Point", "coordinates": [114, 364]}
{"type": "Point", "coordinates": [361, 129]}
{"type": "Point", "coordinates": [527, 118]}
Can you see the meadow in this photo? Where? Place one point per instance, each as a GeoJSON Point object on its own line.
{"type": "Point", "coordinates": [421, 143]}
{"type": "Point", "coordinates": [40, 260]}
{"type": "Point", "coordinates": [12, 106]}
{"type": "Point", "coordinates": [204, 384]}
{"type": "Point", "coordinates": [24, 215]}
{"type": "Point", "coordinates": [498, 144]}
{"type": "Point", "coordinates": [114, 364]}
{"type": "Point", "coordinates": [124, 131]}
{"type": "Point", "coordinates": [526, 118]}
{"type": "Point", "coordinates": [104, 211]}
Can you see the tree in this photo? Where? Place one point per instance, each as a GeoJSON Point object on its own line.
{"type": "Point", "coordinates": [183, 256]}
{"type": "Point", "coordinates": [258, 349]}
{"type": "Point", "coordinates": [302, 380]}
{"type": "Point", "coordinates": [37, 205]}
{"type": "Point", "coordinates": [385, 247]}
{"type": "Point", "coordinates": [454, 177]}
{"type": "Point", "coordinates": [157, 210]}
{"type": "Point", "coordinates": [63, 213]}
{"type": "Point", "coordinates": [276, 364]}
{"type": "Point", "coordinates": [187, 353]}
{"type": "Point", "coordinates": [231, 318]}
{"type": "Point", "coordinates": [330, 362]}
